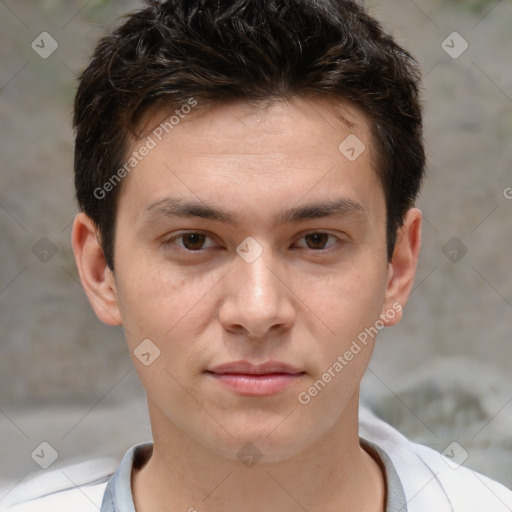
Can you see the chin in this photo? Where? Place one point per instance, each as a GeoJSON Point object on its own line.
{"type": "Point", "coordinates": [265, 442]}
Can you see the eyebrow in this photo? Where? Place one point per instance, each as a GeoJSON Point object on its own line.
{"type": "Point", "coordinates": [177, 207]}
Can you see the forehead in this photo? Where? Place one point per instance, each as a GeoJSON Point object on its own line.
{"type": "Point", "coordinates": [292, 119]}
{"type": "Point", "coordinates": [255, 154]}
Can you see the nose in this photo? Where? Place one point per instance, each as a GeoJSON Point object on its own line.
{"type": "Point", "coordinates": [258, 297]}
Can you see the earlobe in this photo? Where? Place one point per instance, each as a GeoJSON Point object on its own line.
{"type": "Point", "coordinates": [402, 267]}
{"type": "Point", "coordinates": [97, 279]}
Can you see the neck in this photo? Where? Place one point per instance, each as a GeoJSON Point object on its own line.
{"type": "Point", "coordinates": [332, 474]}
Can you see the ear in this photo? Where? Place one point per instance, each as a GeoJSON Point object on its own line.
{"type": "Point", "coordinates": [402, 268]}
{"type": "Point", "coordinates": [97, 279]}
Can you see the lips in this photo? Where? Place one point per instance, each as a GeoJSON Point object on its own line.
{"type": "Point", "coordinates": [247, 368]}
{"type": "Point", "coordinates": [244, 378]}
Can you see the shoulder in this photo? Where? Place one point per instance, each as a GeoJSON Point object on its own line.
{"type": "Point", "coordinates": [430, 480]}
{"type": "Point", "coordinates": [466, 489]}
{"type": "Point", "coordinates": [78, 487]}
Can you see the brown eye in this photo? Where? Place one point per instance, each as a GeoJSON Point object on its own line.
{"type": "Point", "coordinates": [316, 240]}
{"type": "Point", "coordinates": [193, 241]}
{"type": "Point", "coordinates": [190, 241]}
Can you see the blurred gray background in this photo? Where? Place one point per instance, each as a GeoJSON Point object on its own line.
{"type": "Point", "coordinates": [442, 375]}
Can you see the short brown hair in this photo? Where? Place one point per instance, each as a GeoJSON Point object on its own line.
{"type": "Point", "coordinates": [253, 50]}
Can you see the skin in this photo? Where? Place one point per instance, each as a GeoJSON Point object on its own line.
{"type": "Point", "coordinates": [302, 301]}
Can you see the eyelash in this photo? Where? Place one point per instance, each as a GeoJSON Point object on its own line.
{"type": "Point", "coordinates": [167, 242]}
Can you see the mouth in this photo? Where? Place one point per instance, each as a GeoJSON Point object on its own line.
{"type": "Point", "coordinates": [244, 378]}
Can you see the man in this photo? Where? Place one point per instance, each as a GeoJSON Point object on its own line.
{"type": "Point", "coordinates": [246, 173]}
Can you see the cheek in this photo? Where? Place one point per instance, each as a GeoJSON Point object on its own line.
{"type": "Point", "coordinates": [348, 300]}
{"type": "Point", "coordinates": [349, 305]}
{"type": "Point", "coordinates": [161, 303]}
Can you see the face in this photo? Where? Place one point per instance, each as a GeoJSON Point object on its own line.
{"type": "Point", "coordinates": [247, 238]}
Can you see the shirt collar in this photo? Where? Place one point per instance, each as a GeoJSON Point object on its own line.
{"type": "Point", "coordinates": [118, 495]}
